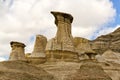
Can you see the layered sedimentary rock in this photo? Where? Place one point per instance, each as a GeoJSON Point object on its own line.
{"type": "Point", "coordinates": [89, 70]}
{"type": "Point", "coordinates": [115, 40]}
{"type": "Point", "coordinates": [39, 47]}
{"type": "Point", "coordinates": [38, 55]}
{"type": "Point", "coordinates": [109, 41]}
{"type": "Point", "coordinates": [101, 44]}
{"type": "Point", "coordinates": [17, 52]}
{"type": "Point", "coordinates": [91, 54]}
{"type": "Point", "coordinates": [19, 70]}
{"type": "Point", "coordinates": [62, 45]}
{"type": "Point", "coordinates": [112, 56]}
{"type": "Point", "coordinates": [82, 47]}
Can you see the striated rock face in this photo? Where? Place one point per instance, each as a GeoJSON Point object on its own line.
{"type": "Point", "coordinates": [38, 55]}
{"type": "Point", "coordinates": [101, 44]}
{"type": "Point", "coordinates": [112, 56]}
{"type": "Point", "coordinates": [62, 44]}
{"type": "Point", "coordinates": [115, 40]}
{"type": "Point", "coordinates": [19, 70]}
{"type": "Point", "coordinates": [17, 52]}
{"type": "Point", "coordinates": [89, 70]}
{"type": "Point", "coordinates": [82, 47]}
{"type": "Point", "coordinates": [112, 41]}
{"type": "Point", "coordinates": [39, 47]}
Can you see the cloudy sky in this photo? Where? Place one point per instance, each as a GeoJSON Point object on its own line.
{"type": "Point", "coordinates": [21, 20]}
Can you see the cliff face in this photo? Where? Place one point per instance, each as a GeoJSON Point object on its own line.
{"type": "Point", "coordinates": [115, 40]}
{"type": "Point", "coordinates": [81, 45]}
{"type": "Point", "coordinates": [109, 41]}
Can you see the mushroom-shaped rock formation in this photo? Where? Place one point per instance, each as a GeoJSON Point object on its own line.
{"type": "Point", "coordinates": [17, 52]}
{"type": "Point", "coordinates": [62, 46]}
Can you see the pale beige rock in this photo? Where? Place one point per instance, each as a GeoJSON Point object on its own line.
{"type": "Point", "coordinates": [113, 73]}
{"type": "Point", "coordinates": [27, 54]}
{"type": "Point", "coordinates": [112, 69]}
{"type": "Point", "coordinates": [82, 45]}
{"type": "Point", "coordinates": [62, 46]}
{"type": "Point", "coordinates": [17, 52]}
{"type": "Point", "coordinates": [39, 47]}
{"type": "Point", "coordinates": [104, 42]}
{"type": "Point", "coordinates": [83, 56]}
{"type": "Point", "coordinates": [112, 56]}
{"type": "Point", "coordinates": [63, 40]}
{"type": "Point", "coordinates": [22, 70]}
{"type": "Point", "coordinates": [99, 58]}
{"type": "Point", "coordinates": [100, 46]}
{"type": "Point", "coordinates": [83, 48]}
{"type": "Point", "coordinates": [89, 70]}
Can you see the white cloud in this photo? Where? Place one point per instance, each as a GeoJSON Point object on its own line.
{"type": "Point", "coordinates": [106, 30]}
{"type": "Point", "coordinates": [2, 59]}
{"type": "Point", "coordinates": [26, 18]}
{"type": "Point", "coordinates": [89, 16]}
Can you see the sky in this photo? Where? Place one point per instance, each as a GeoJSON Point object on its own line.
{"type": "Point", "coordinates": [22, 20]}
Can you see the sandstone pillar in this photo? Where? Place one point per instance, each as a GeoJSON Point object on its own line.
{"type": "Point", "coordinates": [62, 47]}
{"type": "Point", "coordinates": [63, 36]}
{"type": "Point", "coordinates": [17, 52]}
{"type": "Point", "coordinates": [39, 47]}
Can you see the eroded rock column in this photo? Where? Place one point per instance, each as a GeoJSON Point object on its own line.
{"type": "Point", "coordinates": [38, 55]}
{"type": "Point", "coordinates": [63, 36]}
{"type": "Point", "coordinates": [17, 52]}
{"type": "Point", "coordinates": [39, 47]}
{"type": "Point", "coordinates": [62, 47]}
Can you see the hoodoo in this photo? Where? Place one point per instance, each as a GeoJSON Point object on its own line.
{"type": "Point", "coordinates": [62, 47]}
{"type": "Point", "coordinates": [17, 52]}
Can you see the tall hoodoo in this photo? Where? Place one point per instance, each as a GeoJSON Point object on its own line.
{"type": "Point", "coordinates": [17, 52]}
{"type": "Point", "coordinates": [62, 46]}
{"type": "Point", "coordinates": [39, 47]}
{"type": "Point", "coordinates": [63, 36]}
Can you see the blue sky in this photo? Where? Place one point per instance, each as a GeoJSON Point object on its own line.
{"type": "Point", "coordinates": [116, 5]}
{"type": "Point", "coordinates": [113, 24]}
{"type": "Point", "coordinates": [21, 20]}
